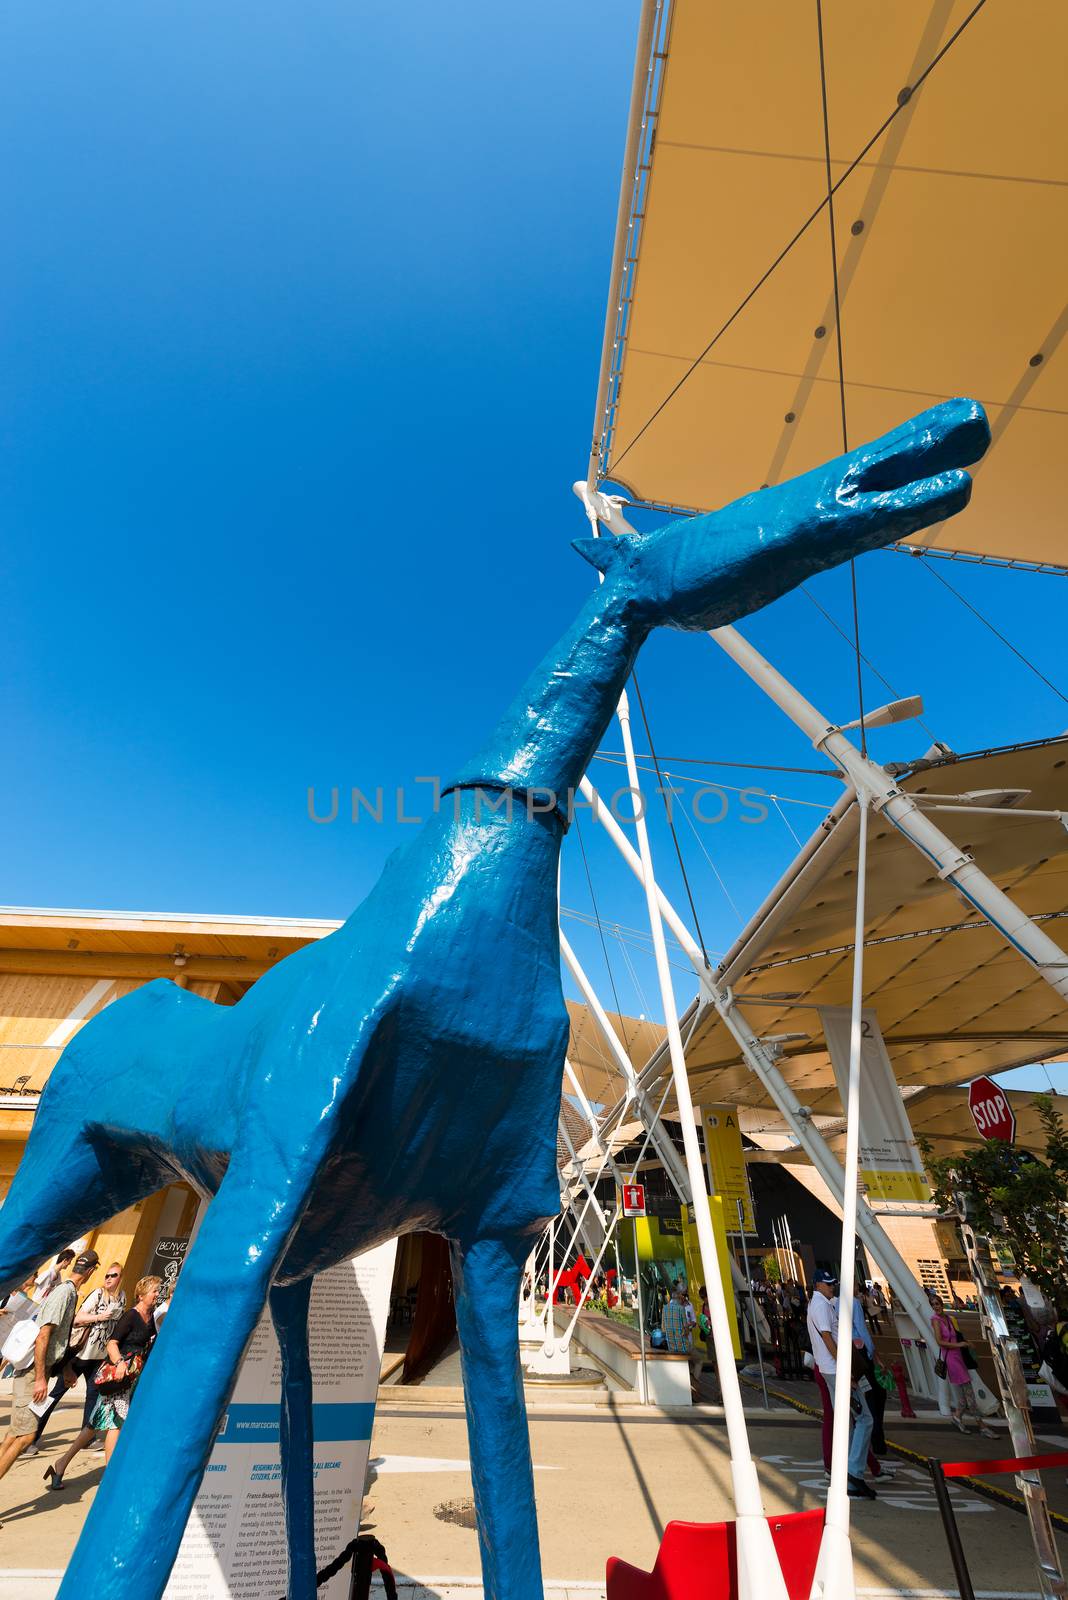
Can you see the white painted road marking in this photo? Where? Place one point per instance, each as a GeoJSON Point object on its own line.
{"type": "Point", "coordinates": [909, 1490]}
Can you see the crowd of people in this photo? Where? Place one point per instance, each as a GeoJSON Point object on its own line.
{"type": "Point", "coordinates": [796, 1337]}
{"type": "Point", "coordinates": [59, 1330]}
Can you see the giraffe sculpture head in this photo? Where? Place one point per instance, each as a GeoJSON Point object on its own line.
{"type": "Point", "coordinates": [704, 572]}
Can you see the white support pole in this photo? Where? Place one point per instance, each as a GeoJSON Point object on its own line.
{"type": "Point", "coordinates": [569, 1203]}
{"type": "Point", "coordinates": [662, 1143]}
{"type": "Point", "coordinates": [606, 1159]}
{"type": "Point", "coordinates": [759, 1574]}
{"type": "Point", "coordinates": [587, 1110]}
{"type": "Point", "coordinates": [643, 66]}
{"type": "Point", "coordinates": [551, 1297]}
{"type": "Point", "coordinates": [834, 1579]}
{"type": "Point", "coordinates": [643, 1386]}
{"type": "Point", "coordinates": [593, 1122]}
{"type": "Point", "coordinates": [584, 1292]}
{"type": "Point", "coordinates": [760, 1059]}
{"type": "Point", "coordinates": [776, 1230]}
{"type": "Point", "coordinates": [873, 783]}
{"type": "Point", "coordinates": [579, 1169]}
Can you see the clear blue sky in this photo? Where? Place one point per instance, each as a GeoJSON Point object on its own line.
{"type": "Point", "coordinates": [302, 311]}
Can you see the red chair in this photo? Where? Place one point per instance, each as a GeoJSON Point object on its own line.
{"type": "Point", "coordinates": [699, 1561]}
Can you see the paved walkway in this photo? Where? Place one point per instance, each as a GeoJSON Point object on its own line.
{"type": "Point", "coordinates": [608, 1479]}
{"type": "Point", "coordinates": [38, 1529]}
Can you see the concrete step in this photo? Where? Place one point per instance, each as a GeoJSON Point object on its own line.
{"type": "Point", "coordinates": [582, 1388]}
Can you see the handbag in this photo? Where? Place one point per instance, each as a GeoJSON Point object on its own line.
{"type": "Point", "coordinates": [78, 1340]}
{"type": "Point", "coordinates": [18, 1346]}
{"type": "Point", "coordinates": [940, 1364]}
{"type": "Point", "coordinates": [106, 1381]}
{"type": "Point", "coordinates": [79, 1337]}
{"type": "Point", "coordinates": [968, 1355]}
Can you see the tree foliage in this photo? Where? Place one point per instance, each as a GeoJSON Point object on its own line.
{"type": "Point", "coordinates": [1015, 1198]}
{"type": "Point", "coordinates": [772, 1270]}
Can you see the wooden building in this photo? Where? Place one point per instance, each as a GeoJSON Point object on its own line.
{"type": "Point", "coordinates": [60, 968]}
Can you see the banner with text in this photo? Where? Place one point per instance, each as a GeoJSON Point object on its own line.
{"type": "Point", "coordinates": [234, 1544]}
{"type": "Point", "coordinates": [890, 1165]}
{"type": "Point", "coordinates": [726, 1165]}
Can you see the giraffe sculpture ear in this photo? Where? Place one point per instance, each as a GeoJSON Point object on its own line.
{"type": "Point", "coordinates": [606, 553]}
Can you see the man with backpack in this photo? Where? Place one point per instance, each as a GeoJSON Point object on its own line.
{"type": "Point", "coordinates": [44, 1357]}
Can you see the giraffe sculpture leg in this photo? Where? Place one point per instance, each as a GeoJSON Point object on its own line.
{"type": "Point", "coordinates": [486, 1275]}
{"type": "Point", "coordinates": [139, 1515]}
{"type": "Point", "coordinates": [289, 1312]}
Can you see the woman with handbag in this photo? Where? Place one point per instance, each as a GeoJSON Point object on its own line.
{"type": "Point", "coordinates": [127, 1348]}
{"type": "Point", "coordinates": [952, 1366]}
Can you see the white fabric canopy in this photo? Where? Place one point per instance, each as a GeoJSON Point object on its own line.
{"type": "Point", "coordinates": [951, 236]}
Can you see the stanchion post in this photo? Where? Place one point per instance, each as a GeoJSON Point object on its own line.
{"type": "Point", "coordinates": [897, 1370]}
{"type": "Point", "coordinates": [949, 1522]}
{"type": "Point", "coordinates": [752, 1304]}
{"type": "Point", "coordinates": [644, 1395]}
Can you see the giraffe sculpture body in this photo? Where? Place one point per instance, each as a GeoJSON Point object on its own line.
{"type": "Point", "coordinates": [405, 1072]}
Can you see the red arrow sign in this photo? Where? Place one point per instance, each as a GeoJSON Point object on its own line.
{"type": "Point", "coordinates": [991, 1112]}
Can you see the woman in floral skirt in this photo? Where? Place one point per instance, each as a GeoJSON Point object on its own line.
{"type": "Point", "coordinates": [131, 1339]}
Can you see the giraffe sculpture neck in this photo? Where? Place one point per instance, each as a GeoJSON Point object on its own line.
{"type": "Point", "coordinates": [547, 737]}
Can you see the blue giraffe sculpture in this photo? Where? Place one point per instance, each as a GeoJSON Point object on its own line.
{"type": "Point", "coordinates": [405, 1072]}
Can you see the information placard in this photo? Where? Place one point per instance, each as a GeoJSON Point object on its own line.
{"type": "Point", "coordinates": [234, 1542]}
{"type": "Point", "coordinates": [726, 1165]}
{"type": "Point", "coordinates": [890, 1164]}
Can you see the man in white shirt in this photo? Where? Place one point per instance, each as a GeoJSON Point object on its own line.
{"type": "Point", "coordinates": [51, 1277]}
{"type": "Point", "coordinates": [823, 1336]}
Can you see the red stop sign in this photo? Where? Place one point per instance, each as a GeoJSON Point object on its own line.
{"type": "Point", "coordinates": [991, 1112]}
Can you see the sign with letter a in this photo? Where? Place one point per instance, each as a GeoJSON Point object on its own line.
{"type": "Point", "coordinates": [890, 1164]}
{"type": "Point", "coordinates": [726, 1165]}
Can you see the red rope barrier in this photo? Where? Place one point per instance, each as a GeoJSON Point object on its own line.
{"type": "Point", "coordinates": [983, 1469]}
